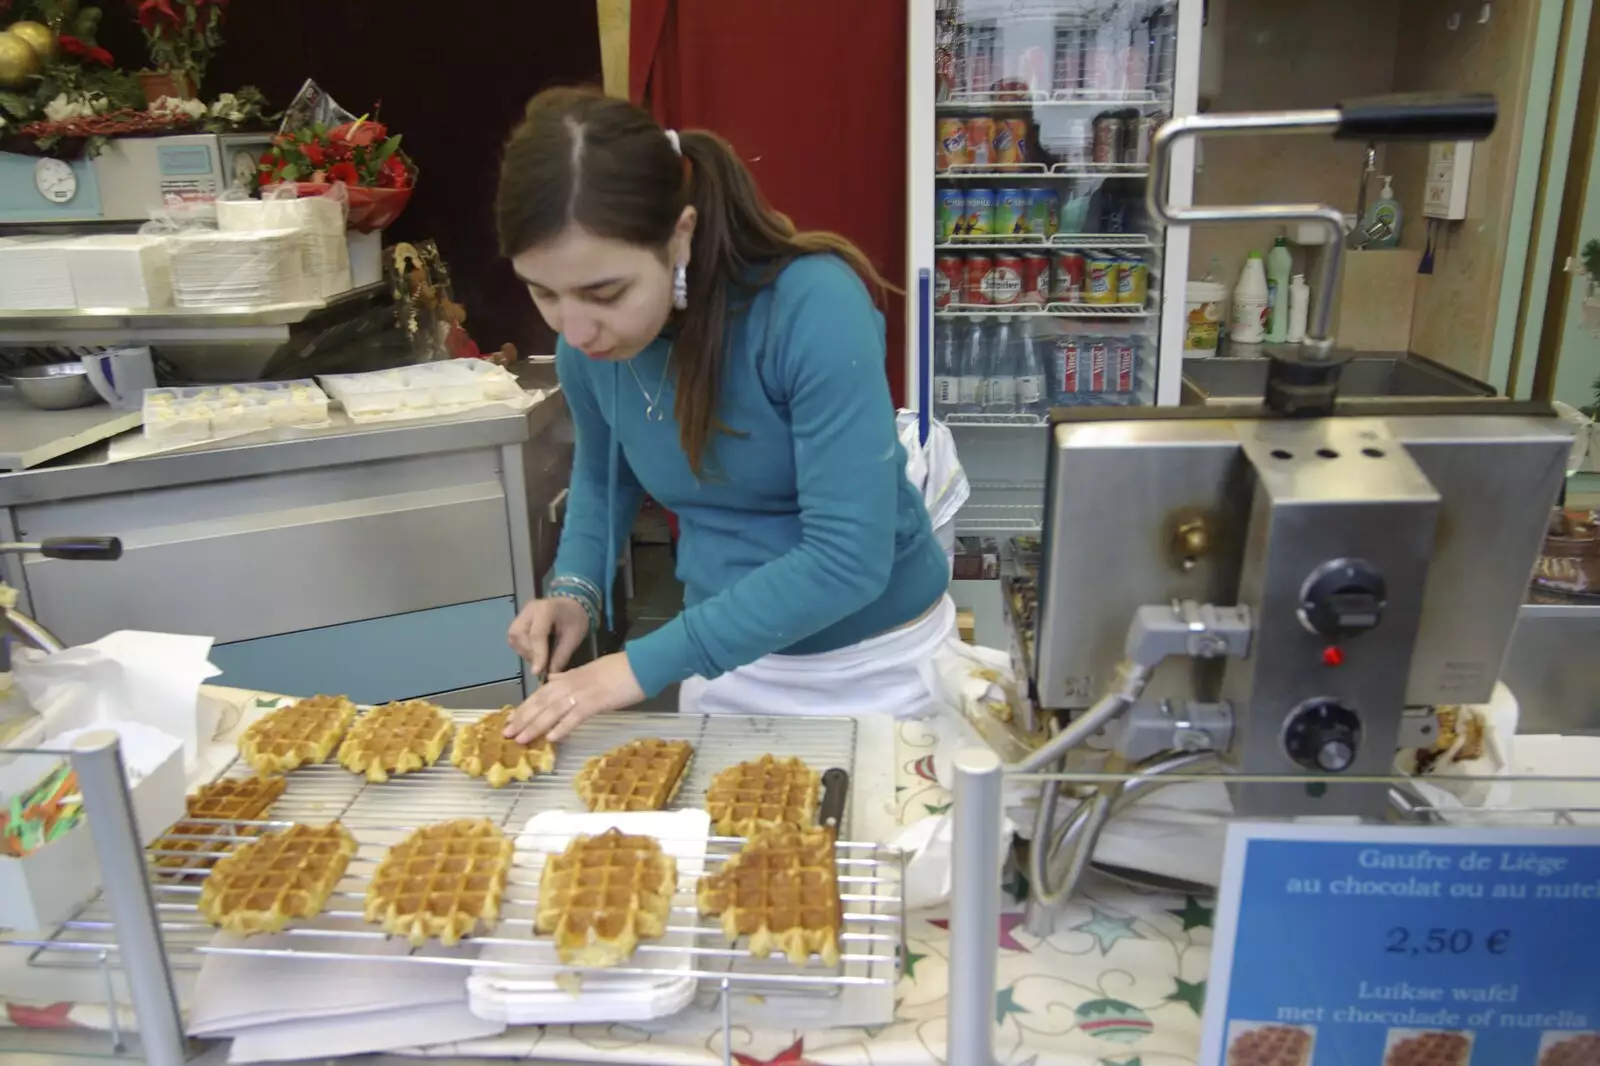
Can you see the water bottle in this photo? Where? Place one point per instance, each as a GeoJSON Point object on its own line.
{"type": "Point", "coordinates": [1000, 373]}
{"type": "Point", "coordinates": [946, 371]}
{"type": "Point", "coordinates": [969, 394]}
{"type": "Point", "coordinates": [1029, 362]}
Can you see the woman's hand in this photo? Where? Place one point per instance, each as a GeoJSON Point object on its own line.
{"type": "Point", "coordinates": [567, 699]}
{"type": "Point", "coordinates": [558, 618]}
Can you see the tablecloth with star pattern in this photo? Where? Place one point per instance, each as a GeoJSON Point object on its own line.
{"type": "Point", "coordinates": [1121, 983]}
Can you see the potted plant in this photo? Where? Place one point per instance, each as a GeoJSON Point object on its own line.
{"type": "Point", "coordinates": [182, 36]}
{"type": "Point", "coordinates": [362, 155]}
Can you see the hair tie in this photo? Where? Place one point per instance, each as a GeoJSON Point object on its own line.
{"type": "Point", "coordinates": [672, 139]}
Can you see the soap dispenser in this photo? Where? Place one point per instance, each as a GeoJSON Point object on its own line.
{"type": "Point", "coordinates": [1385, 210]}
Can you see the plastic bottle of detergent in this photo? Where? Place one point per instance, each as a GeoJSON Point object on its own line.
{"type": "Point", "coordinates": [1385, 209]}
{"type": "Point", "coordinates": [1278, 267]}
{"type": "Point", "coordinates": [1248, 323]}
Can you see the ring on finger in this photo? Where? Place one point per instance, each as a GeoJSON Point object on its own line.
{"type": "Point", "coordinates": [572, 701]}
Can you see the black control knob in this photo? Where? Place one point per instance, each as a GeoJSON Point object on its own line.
{"type": "Point", "coordinates": [1343, 598]}
{"type": "Point", "coordinates": [1323, 735]}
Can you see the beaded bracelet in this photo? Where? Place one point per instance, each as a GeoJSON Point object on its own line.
{"type": "Point", "coordinates": [567, 589]}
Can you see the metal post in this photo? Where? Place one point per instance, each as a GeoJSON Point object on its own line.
{"type": "Point", "coordinates": [97, 759]}
{"type": "Point", "coordinates": [974, 907]}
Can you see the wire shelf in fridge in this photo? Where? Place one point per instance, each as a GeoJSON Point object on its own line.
{"type": "Point", "coordinates": [1022, 242]}
{"type": "Point", "coordinates": [1105, 99]}
{"type": "Point", "coordinates": [1052, 310]}
{"type": "Point", "coordinates": [1040, 171]}
{"type": "Point", "coordinates": [379, 815]}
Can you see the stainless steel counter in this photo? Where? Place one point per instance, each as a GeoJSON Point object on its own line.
{"type": "Point", "coordinates": [29, 436]}
{"type": "Point", "coordinates": [1553, 667]}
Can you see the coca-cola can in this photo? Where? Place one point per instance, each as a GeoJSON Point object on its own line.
{"type": "Point", "coordinates": [976, 290]}
{"type": "Point", "coordinates": [1005, 280]}
{"type": "Point", "coordinates": [949, 280]}
{"type": "Point", "coordinates": [1035, 278]}
{"type": "Point", "coordinates": [1066, 282]}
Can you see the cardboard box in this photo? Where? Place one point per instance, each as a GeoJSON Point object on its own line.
{"type": "Point", "coordinates": [42, 889]}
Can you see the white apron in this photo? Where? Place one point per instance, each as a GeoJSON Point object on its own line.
{"type": "Point", "coordinates": [879, 675]}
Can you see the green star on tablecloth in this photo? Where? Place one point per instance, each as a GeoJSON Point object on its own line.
{"type": "Point", "coordinates": [1135, 1061]}
{"type": "Point", "coordinates": [1107, 929]}
{"type": "Point", "coordinates": [936, 808]}
{"type": "Point", "coordinates": [1006, 1003]}
{"type": "Point", "coordinates": [1193, 994]}
{"type": "Point", "coordinates": [1195, 915]}
{"type": "Point", "coordinates": [911, 960]}
{"type": "Point", "coordinates": [263, 702]}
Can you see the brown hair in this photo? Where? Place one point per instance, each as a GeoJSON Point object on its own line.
{"type": "Point", "coordinates": [582, 157]}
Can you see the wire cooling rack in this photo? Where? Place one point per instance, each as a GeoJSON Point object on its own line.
{"type": "Point", "coordinates": [380, 814]}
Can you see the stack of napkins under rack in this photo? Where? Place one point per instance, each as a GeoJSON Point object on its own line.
{"type": "Point", "coordinates": [120, 270]}
{"type": "Point", "coordinates": [230, 269]}
{"type": "Point", "coordinates": [320, 223]}
{"type": "Point", "coordinates": [34, 275]}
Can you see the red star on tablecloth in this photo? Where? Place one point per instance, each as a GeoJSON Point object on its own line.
{"type": "Point", "coordinates": [793, 1055]}
{"type": "Point", "coordinates": [1008, 922]}
{"type": "Point", "coordinates": [52, 1017]}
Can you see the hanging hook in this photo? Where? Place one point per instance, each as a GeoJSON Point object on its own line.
{"type": "Point", "coordinates": [1453, 21]}
{"type": "Point", "coordinates": [1485, 12]}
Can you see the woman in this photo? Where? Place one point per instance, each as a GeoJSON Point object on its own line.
{"type": "Point", "coordinates": [733, 369]}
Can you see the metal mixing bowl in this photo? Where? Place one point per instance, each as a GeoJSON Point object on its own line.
{"type": "Point", "coordinates": [56, 387]}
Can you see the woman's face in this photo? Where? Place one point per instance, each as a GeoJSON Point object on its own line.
{"type": "Point", "coordinates": [609, 299]}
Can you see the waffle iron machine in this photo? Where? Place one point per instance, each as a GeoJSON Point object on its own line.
{"type": "Point", "coordinates": [1281, 590]}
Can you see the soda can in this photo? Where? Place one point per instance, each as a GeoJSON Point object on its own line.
{"type": "Point", "coordinates": [1010, 141]}
{"type": "Point", "coordinates": [1064, 368]}
{"type": "Point", "coordinates": [1133, 279]}
{"type": "Point", "coordinates": [949, 280]}
{"type": "Point", "coordinates": [1011, 212]}
{"type": "Point", "coordinates": [1141, 138]}
{"type": "Point", "coordinates": [952, 215]}
{"type": "Point", "coordinates": [1099, 353]}
{"type": "Point", "coordinates": [980, 140]}
{"type": "Point", "coordinates": [980, 213]}
{"type": "Point", "coordinates": [1035, 278]}
{"type": "Point", "coordinates": [1066, 282]}
{"type": "Point", "coordinates": [952, 149]}
{"type": "Point", "coordinates": [1044, 212]}
{"type": "Point", "coordinates": [1108, 134]}
{"type": "Point", "coordinates": [1122, 357]}
{"type": "Point", "coordinates": [1005, 280]}
{"type": "Point", "coordinates": [1100, 279]}
{"type": "Point", "coordinates": [976, 289]}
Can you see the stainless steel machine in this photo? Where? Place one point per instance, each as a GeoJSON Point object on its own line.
{"type": "Point", "coordinates": [1283, 589]}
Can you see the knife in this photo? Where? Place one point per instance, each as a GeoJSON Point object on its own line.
{"type": "Point", "coordinates": [835, 788]}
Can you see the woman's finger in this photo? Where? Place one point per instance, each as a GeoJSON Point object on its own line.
{"type": "Point", "coordinates": [536, 636]}
{"type": "Point", "coordinates": [545, 708]}
{"type": "Point", "coordinates": [568, 640]}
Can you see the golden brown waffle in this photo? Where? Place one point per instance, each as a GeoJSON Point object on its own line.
{"type": "Point", "coordinates": [293, 736]}
{"type": "Point", "coordinates": [1429, 1049]}
{"type": "Point", "coordinates": [285, 875]}
{"type": "Point", "coordinates": [441, 881]}
{"type": "Point", "coordinates": [782, 892]}
{"type": "Point", "coordinates": [761, 794]}
{"type": "Point", "coordinates": [396, 738]}
{"type": "Point", "coordinates": [1580, 1050]}
{"type": "Point", "coordinates": [603, 895]}
{"type": "Point", "coordinates": [641, 775]}
{"type": "Point", "coordinates": [483, 750]}
{"type": "Point", "coordinates": [1271, 1045]}
{"type": "Point", "coordinates": [232, 799]}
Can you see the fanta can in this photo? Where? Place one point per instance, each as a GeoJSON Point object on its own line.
{"type": "Point", "coordinates": [1010, 141]}
{"type": "Point", "coordinates": [953, 150]}
{"type": "Point", "coordinates": [980, 140]}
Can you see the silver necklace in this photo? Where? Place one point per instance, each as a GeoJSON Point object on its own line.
{"type": "Point", "coordinates": [650, 410]}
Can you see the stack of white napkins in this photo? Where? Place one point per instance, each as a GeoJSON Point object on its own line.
{"type": "Point", "coordinates": [120, 270]}
{"type": "Point", "coordinates": [279, 1009]}
{"type": "Point", "coordinates": [34, 275]}
{"type": "Point", "coordinates": [237, 268]}
{"type": "Point", "coordinates": [320, 223]}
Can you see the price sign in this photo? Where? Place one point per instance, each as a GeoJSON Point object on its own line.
{"type": "Point", "coordinates": [1402, 946]}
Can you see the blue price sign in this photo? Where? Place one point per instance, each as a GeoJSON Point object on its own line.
{"type": "Point", "coordinates": [1398, 946]}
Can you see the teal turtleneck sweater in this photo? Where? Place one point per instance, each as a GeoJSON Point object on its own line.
{"type": "Point", "coordinates": [802, 535]}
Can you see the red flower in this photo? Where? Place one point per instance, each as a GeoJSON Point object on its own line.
{"type": "Point", "coordinates": [314, 154]}
{"type": "Point", "coordinates": [360, 134]}
{"type": "Point", "coordinates": [345, 172]}
{"type": "Point", "coordinates": [101, 56]}
{"type": "Point", "coordinates": [152, 12]}
{"type": "Point", "coordinates": [394, 174]}
{"type": "Point", "coordinates": [72, 46]}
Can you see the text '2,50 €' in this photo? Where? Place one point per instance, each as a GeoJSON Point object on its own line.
{"type": "Point", "coordinates": [1402, 941]}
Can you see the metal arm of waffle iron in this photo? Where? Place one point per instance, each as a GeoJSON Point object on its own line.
{"type": "Point", "coordinates": [19, 625]}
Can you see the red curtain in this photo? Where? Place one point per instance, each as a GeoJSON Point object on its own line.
{"type": "Point", "coordinates": [811, 95]}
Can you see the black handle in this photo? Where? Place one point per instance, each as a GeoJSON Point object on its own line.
{"type": "Point", "coordinates": [105, 549]}
{"type": "Point", "coordinates": [835, 787]}
{"type": "Point", "coordinates": [1418, 117]}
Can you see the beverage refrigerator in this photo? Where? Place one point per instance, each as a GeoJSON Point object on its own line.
{"type": "Point", "coordinates": [1036, 275]}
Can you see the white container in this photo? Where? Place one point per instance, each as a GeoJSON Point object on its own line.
{"type": "Point", "coordinates": [366, 257]}
{"type": "Point", "coordinates": [1279, 266]}
{"type": "Point", "coordinates": [1299, 307]}
{"type": "Point", "coordinates": [121, 376]}
{"type": "Point", "coordinates": [120, 270]}
{"type": "Point", "coordinates": [1248, 323]}
{"type": "Point", "coordinates": [1205, 307]}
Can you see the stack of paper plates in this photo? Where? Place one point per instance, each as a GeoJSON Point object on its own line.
{"type": "Point", "coordinates": [221, 268]}
{"type": "Point", "coordinates": [34, 275]}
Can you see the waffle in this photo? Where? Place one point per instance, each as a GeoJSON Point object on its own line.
{"type": "Point", "coordinates": [761, 794]}
{"type": "Point", "coordinates": [782, 892]}
{"type": "Point", "coordinates": [483, 750]}
{"type": "Point", "coordinates": [258, 888]}
{"type": "Point", "coordinates": [1271, 1045]}
{"type": "Point", "coordinates": [396, 738]}
{"type": "Point", "coordinates": [232, 799]}
{"type": "Point", "coordinates": [1429, 1049]}
{"type": "Point", "coordinates": [292, 736]}
{"type": "Point", "coordinates": [1582, 1049]}
{"type": "Point", "coordinates": [603, 895]}
{"type": "Point", "coordinates": [641, 775]}
{"type": "Point", "coordinates": [441, 881]}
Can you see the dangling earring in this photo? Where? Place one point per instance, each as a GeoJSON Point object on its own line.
{"type": "Point", "coordinates": [680, 286]}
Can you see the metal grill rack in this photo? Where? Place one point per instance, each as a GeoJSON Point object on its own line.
{"type": "Point", "coordinates": [379, 815]}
